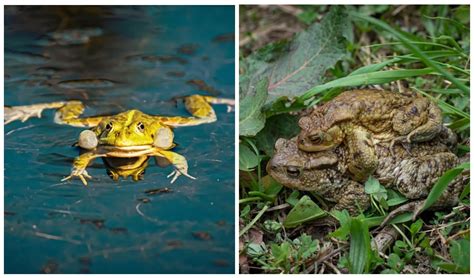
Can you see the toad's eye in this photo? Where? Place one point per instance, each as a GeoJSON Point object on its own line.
{"type": "Point", "coordinates": [141, 127]}
{"type": "Point", "coordinates": [293, 171]}
{"type": "Point", "coordinates": [109, 126]}
{"type": "Point", "coordinates": [316, 138]}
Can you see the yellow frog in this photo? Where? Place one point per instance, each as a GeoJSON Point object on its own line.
{"type": "Point", "coordinates": [125, 141]}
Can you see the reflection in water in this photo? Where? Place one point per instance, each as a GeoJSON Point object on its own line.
{"type": "Point", "coordinates": [115, 59]}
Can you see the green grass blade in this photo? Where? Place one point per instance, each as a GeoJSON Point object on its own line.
{"type": "Point", "coordinates": [359, 252]}
{"type": "Point", "coordinates": [446, 107]}
{"type": "Point", "coordinates": [442, 183]}
{"type": "Point", "coordinates": [379, 77]}
{"type": "Point", "coordinates": [411, 46]}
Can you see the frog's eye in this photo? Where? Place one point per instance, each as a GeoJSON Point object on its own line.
{"type": "Point", "coordinates": [140, 126]}
{"type": "Point", "coordinates": [316, 138]}
{"type": "Point", "coordinates": [293, 171]}
{"type": "Point", "coordinates": [109, 126]}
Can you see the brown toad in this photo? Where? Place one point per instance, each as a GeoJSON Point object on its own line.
{"type": "Point", "coordinates": [326, 172]}
{"type": "Point", "coordinates": [394, 117]}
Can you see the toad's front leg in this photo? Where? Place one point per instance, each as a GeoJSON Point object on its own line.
{"type": "Point", "coordinates": [80, 164]}
{"type": "Point", "coordinates": [178, 161]}
{"type": "Point", "coordinates": [361, 149]}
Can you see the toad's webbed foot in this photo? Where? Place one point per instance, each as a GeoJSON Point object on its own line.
{"type": "Point", "coordinates": [403, 141]}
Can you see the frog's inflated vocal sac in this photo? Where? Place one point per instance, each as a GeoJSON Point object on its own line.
{"type": "Point", "coordinates": [326, 173]}
{"type": "Point", "coordinates": [391, 117]}
{"type": "Point", "coordinates": [125, 141]}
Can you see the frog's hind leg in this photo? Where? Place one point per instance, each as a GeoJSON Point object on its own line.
{"type": "Point", "coordinates": [24, 112]}
{"type": "Point", "coordinates": [178, 161]}
{"type": "Point", "coordinates": [69, 114]}
{"type": "Point", "coordinates": [200, 108]}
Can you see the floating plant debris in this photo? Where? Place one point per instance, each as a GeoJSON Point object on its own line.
{"type": "Point", "coordinates": [86, 83]}
{"type": "Point", "coordinates": [25, 57]}
{"type": "Point", "coordinates": [158, 191]}
{"type": "Point", "coordinates": [229, 37]}
{"type": "Point", "coordinates": [202, 235]}
{"type": "Point", "coordinates": [202, 86]}
{"type": "Point", "coordinates": [188, 49]}
{"type": "Point", "coordinates": [75, 36]}
{"type": "Point", "coordinates": [176, 73]}
{"type": "Point", "coordinates": [157, 59]}
{"type": "Point", "coordinates": [98, 223]}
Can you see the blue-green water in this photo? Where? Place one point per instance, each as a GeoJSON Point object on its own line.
{"type": "Point", "coordinates": [151, 54]}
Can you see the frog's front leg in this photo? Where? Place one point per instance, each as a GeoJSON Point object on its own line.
{"type": "Point", "coordinates": [178, 161]}
{"type": "Point", "coordinates": [80, 164]}
{"type": "Point", "coordinates": [200, 109]}
{"type": "Point", "coordinates": [24, 112]}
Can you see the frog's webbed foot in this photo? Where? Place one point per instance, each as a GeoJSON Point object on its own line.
{"type": "Point", "coordinates": [414, 206]}
{"type": "Point", "coordinates": [79, 166]}
{"type": "Point", "coordinates": [227, 101]}
{"type": "Point", "coordinates": [23, 113]}
{"type": "Point", "coordinates": [176, 173]}
{"type": "Point", "coordinates": [79, 172]}
{"type": "Point", "coordinates": [178, 161]}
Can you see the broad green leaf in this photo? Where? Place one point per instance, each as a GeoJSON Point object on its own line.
{"type": "Point", "coordinates": [271, 186]}
{"type": "Point", "coordinates": [251, 119]}
{"type": "Point", "coordinates": [311, 53]}
{"type": "Point", "coordinates": [247, 158]}
{"type": "Point", "coordinates": [359, 252]}
{"type": "Point", "coordinates": [396, 201]}
{"type": "Point", "coordinates": [415, 227]}
{"type": "Point", "coordinates": [345, 224]}
{"type": "Point", "coordinates": [373, 187]}
{"type": "Point", "coordinates": [279, 126]}
{"type": "Point", "coordinates": [305, 210]}
{"type": "Point", "coordinates": [460, 254]}
{"type": "Point", "coordinates": [293, 198]}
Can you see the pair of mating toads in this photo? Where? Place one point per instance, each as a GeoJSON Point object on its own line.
{"type": "Point", "coordinates": [397, 138]}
